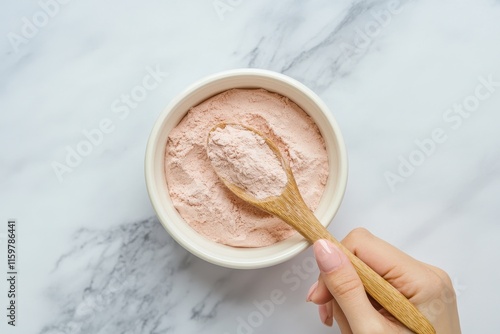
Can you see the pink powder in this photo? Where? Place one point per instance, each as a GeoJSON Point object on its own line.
{"type": "Point", "coordinates": [243, 158]}
{"type": "Point", "coordinates": [202, 199]}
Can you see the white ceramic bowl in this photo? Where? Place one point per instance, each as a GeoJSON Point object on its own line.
{"type": "Point", "coordinates": [227, 256]}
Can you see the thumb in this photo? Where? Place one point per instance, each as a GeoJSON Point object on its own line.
{"type": "Point", "coordinates": [343, 282]}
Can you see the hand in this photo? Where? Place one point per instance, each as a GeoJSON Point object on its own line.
{"type": "Point", "coordinates": [341, 295]}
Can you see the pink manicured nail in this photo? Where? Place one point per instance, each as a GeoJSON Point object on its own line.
{"type": "Point", "coordinates": [312, 289]}
{"type": "Point", "coordinates": [327, 255]}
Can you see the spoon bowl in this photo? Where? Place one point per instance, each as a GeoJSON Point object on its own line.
{"type": "Point", "coordinates": [291, 208]}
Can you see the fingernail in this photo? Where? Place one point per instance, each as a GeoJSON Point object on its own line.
{"type": "Point", "coordinates": [324, 316]}
{"type": "Point", "coordinates": [312, 289]}
{"type": "Point", "coordinates": [327, 255]}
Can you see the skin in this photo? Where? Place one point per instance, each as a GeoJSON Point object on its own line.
{"type": "Point", "coordinates": [341, 296]}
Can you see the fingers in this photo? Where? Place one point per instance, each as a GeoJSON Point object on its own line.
{"type": "Point", "coordinates": [319, 293]}
{"type": "Point", "coordinates": [326, 314]}
{"type": "Point", "coordinates": [341, 295]}
{"type": "Point", "coordinates": [388, 261]}
{"type": "Point", "coordinates": [340, 318]}
{"type": "Point", "coordinates": [375, 252]}
{"type": "Point", "coordinates": [343, 282]}
{"type": "Point", "coordinates": [395, 266]}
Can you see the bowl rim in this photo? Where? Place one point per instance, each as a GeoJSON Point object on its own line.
{"type": "Point", "coordinates": [153, 142]}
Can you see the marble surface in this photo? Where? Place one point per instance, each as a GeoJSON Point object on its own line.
{"type": "Point", "coordinates": [92, 256]}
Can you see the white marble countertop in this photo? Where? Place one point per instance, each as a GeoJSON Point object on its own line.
{"type": "Point", "coordinates": [93, 258]}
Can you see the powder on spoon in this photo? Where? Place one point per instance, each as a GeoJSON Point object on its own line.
{"type": "Point", "coordinates": [201, 198]}
{"type": "Point", "coordinates": [243, 158]}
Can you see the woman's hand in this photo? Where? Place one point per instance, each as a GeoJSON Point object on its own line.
{"type": "Point", "coordinates": [341, 295]}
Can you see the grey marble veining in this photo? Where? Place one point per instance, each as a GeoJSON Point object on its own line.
{"type": "Point", "coordinates": [132, 277]}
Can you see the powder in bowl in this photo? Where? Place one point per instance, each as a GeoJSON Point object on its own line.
{"type": "Point", "coordinates": [243, 158]}
{"type": "Point", "coordinates": [201, 198]}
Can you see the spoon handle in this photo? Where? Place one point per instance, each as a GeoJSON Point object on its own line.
{"type": "Point", "coordinates": [304, 221]}
{"type": "Point", "coordinates": [388, 296]}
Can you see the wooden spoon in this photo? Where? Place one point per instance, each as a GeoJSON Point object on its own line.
{"type": "Point", "coordinates": [290, 207]}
